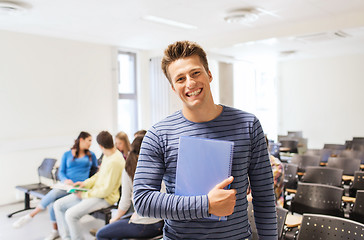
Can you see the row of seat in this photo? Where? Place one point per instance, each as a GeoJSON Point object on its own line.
{"type": "Point", "coordinates": [323, 175]}
{"type": "Point", "coordinates": [348, 165]}
{"type": "Point", "coordinates": [47, 170]}
{"type": "Point", "coordinates": [320, 190]}
{"type": "Point", "coordinates": [311, 226]}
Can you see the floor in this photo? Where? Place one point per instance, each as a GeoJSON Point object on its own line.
{"type": "Point", "coordinates": [39, 227]}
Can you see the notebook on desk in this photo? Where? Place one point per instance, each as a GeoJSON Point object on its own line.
{"type": "Point", "coordinates": [201, 164]}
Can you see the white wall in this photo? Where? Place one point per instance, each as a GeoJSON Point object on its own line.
{"type": "Point", "coordinates": [50, 90]}
{"type": "Point", "coordinates": [323, 98]}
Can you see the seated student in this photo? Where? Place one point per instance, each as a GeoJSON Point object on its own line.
{"type": "Point", "coordinates": [136, 226]}
{"type": "Point", "coordinates": [141, 132]}
{"type": "Point", "coordinates": [103, 191]}
{"type": "Point", "coordinates": [278, 178]}
{"type": "Point", "coordinates": [122, 143]}
{"type": "Point", "coordinates": [75, 166]}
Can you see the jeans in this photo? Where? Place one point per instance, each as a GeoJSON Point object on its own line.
{"type": "Point", "coordinates": [69, 211]}
{"type": "Point", "coordinates": [123, 229]}
{"type": "Point", "coordinates": [49, 199]}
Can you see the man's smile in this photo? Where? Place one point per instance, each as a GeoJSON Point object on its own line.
{"type": "Point", "coordinates": [194, 93]}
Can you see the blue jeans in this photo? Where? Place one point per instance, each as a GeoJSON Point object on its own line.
{"type": "Point", "coordinates": [49, 199]}
{"type": "Point", "coordinates": [123, 229]}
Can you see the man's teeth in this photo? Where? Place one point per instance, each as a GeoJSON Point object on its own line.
{"type": "Point", "coordinates": [194, 93]}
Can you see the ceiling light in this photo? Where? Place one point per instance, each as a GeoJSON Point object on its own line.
{"type": "Point", "coordinates": [322, 36]}
{"type": "Point", "coordinates": [168, 22]}
{"type": "Point", "coordinates": [243, 15]}
{"type": "Point", "coordinates": [287, 53]}
{"type": "Point", "coordinates": [13, 8]}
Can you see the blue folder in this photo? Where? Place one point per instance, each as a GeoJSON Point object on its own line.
{"type": "Point", "coordinates": [201, 164]}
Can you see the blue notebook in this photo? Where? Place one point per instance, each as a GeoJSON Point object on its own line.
{"type": "Point", "coordinates": [201, 164]}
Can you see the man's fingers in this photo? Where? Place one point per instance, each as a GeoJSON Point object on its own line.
{"type": "Point", "coordinates": [225, 183]}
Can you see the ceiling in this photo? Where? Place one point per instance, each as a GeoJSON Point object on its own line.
{"type": "Point", "coordinates": [274, 33]}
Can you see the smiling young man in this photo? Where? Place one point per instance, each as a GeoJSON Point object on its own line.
{"type": "Point", "coordinates": [185, 66]}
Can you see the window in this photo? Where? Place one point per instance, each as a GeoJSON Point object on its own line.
{"type": "Point", "coordinates": [255, 92]}
{"type": "Point", "coordinates": [127, 103]}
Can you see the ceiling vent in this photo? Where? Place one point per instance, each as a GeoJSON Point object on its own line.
{"type": "Point", "coordinates": [323, 36]}
{"type": "Point", "coordinates": [243, 15]}
{"type": "Point", "coordinates": [13, 8]}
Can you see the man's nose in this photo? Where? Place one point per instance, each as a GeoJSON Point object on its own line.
{"type": "Point", "coordinates": [191, 83]}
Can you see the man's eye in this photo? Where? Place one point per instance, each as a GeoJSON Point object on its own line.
{"type": "Point", "coordinates": [196, 73]}
{"type": "Point", "coordinates": [179, 79]}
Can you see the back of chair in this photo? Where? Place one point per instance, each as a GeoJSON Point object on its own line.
{"type": "Point", "coordinates": [325, 154]}
{"type": "Point", "coordinates": [46, 168]}
{"type": "Point", "coordinates": [323, 175]}
{"type": "Point", "coordinates": [315, 152]}
{"type": "Point", "coordinates": [290, 175]}
{"type": "Point", "coordinates": [357, 184]}
{"type": "Point", "coordinates": [281, 219]}
{"type": "Point", "coordinates": [251, 218]}
{"type": "Point", "coordinates": [315, 226]}
{"type": "Point", "coordinates": [349, 165]}
{"type": "Point", "coordinates": [309, 160]}
{"type": "Point", "coordinates": [358, 143]}
{"type": "Point", "coordinates": [357, 213]}
{"type": "Point", "coordinates": [335, 146]}
{"type": "Point", "coordinates": [295, 134]}
{"type": "Point", "coordinates": [318, 198]}
{"type": "Point", "coordinates": [304, 161]}
{"type": "Point", "coordinates": [290, 144]}
{"type": "Point", "coordinates": [353, 154]}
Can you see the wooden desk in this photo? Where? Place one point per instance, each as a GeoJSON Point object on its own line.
{"type": "Point", "coordinates": [348, 178]}
{"type": "Point", "coordinates": [291, 190]}
{"type": "Point", "coordinates": [348, 199]}
{"type": "Point", "coordinates": [284, 149]}
{"type": "Point", "coordinates": [293, 220]}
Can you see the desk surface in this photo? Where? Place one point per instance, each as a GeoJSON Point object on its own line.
{"type": "Point", "coordinates": [348, 178]}
{"type": "Point", "coordinates": [348, 199]}
{"type": "Point", "coordinates": [293, 220]}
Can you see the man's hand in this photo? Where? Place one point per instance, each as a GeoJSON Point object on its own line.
{"type": "Point", "coordinates": [78, 184]}
{"type": "Point", "coordinates": [221, 201]}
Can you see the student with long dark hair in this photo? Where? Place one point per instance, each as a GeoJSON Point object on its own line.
{"type": "Point", "coordinates": [75, 166]}
{"type": "Point", "coordinates": [136, 226]}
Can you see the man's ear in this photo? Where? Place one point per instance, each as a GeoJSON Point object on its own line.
{"type": "Point", "coordinates": [210, 76]}
{"type": "Point", "coordinates": [174, 90]}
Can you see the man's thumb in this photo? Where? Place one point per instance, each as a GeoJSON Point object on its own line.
{"type": "Point", "coordinates": [225, 183]}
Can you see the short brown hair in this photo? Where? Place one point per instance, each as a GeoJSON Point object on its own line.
{"type": "Point", "coordinates": [104, 139]}
{"type": "Point", "coordinates": [182, 49]}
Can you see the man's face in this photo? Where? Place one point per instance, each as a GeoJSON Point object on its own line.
{"type": "Point", "coordinates": [190, 81]}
